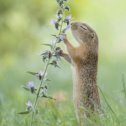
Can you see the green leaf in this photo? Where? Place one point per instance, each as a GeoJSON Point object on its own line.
{"type": "Point", "coordinates": [32, 90]}
{"type": "Point", "coordinates": [46, 44]}
{"type": "Point", "coordinates": [55, 36]}
{"type": "Point", "coordinates": [67, 8]}
{"type": "Point", "coordinates": [54, 63]}
{"type": "Point", "coordinates": [49, 97]}
{"type": "Point", "coordinates": [32, 73]}
{"type": "Point", "coordinates": [25, 112]}
{"type": "Point", "coordinates": [26, 88]}
{"type": "Point", "coordinates": [59, 12]}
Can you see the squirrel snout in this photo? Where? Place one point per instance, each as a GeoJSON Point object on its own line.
{"type": "Point", "coordinates": [72, 23]}
{"type": "Point", "coordinates": [74, 26]}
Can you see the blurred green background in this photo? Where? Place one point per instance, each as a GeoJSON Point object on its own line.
{"type": "Point", "coordinates": [25, 25]}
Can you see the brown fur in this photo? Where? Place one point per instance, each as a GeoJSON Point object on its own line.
{"type": "Point", "coordinates": [84, 59]}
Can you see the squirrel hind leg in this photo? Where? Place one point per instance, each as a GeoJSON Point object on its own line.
{"type": "Point", "coordinates": [84, 114]}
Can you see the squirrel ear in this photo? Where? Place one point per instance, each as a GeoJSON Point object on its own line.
{"type": "Point", "coordinates": [92, 35]}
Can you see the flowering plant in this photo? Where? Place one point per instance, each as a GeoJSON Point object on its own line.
{"type": "Point", "coordinates": [49, 57]}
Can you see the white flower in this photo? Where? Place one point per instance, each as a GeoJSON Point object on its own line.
{"type": "Point", "coordinates": [29, 105]}
{"type": "Point", "coordinates": [62, 37]}
{"type": "Point", "coordinates": [59, 16]}
{"type": "Point", "coordinates": [68, 18]}
{"type": "Point", "coordinates": [44, 91]}
{"type": "Point", "coordinates": [40, 74]}
{"type": "Point", "coordinates": [53, 22]}
{"type": "Point", "coordinates": [30, 85]}
{"type": "Point", "coordinates": [66, 28]}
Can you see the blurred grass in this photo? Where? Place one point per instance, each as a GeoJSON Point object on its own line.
{"type": "Point", "coordinates": [24, 25]}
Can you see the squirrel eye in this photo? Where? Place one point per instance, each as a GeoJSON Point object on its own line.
{"type": "Point", "coordinates": [84, 27]}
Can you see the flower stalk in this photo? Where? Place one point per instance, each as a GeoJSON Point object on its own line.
{"type": "Point", "coordinates": [49, 57]}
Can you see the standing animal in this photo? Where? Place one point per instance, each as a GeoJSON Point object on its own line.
{"type": "Point", "coordinates": [84, 60]}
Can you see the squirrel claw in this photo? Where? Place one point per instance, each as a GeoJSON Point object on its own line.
{"type": "Point", "coordinates": [59, 51]}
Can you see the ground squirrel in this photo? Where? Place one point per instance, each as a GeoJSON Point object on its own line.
{"type": "Point", "coordinates": [84, 59]}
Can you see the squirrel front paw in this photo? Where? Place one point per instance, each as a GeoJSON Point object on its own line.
{"type": "Point", "coordinates": [59, 51]}
{"type": "Point", "coordinates": [63, 37]}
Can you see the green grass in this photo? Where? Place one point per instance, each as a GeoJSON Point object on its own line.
{"type": "Point", "coordinates": [24, 26]}
{"type": "Point", "coordinates": [60, 112]}
{"type": "Point", "coordinates": [53, 113]}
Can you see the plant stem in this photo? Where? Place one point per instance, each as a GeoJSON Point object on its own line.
{"type": "Point", "coordinates": [124, 86]}
{"type": "Point", "coordinates": [60, 29]}
{"type": "Point", "coordinates": [38, 92]}
{"type": "Point", "coordinates": [46, 68]}
{"type": "Point", "coordinates": [109, 106]}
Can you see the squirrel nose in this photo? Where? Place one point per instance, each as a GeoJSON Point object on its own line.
{"type": "Point", "coordinates": [74, 26]}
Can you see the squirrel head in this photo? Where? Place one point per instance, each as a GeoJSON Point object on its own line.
{"type": "Point", "coordinates": [83, 33]}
